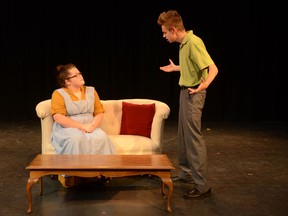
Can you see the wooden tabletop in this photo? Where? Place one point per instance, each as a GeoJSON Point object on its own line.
{"type": "Point", "coordinates": [104, 162]}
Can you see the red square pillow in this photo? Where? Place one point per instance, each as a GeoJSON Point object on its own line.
{"type": "Point", "coordinates": [137, 119]}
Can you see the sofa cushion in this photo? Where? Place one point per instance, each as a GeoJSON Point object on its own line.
{"type": "Point", "coordinates": [129, 144]}
{"type": "Point", "coordinates": [137, 119]}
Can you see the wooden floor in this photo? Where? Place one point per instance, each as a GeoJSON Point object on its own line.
{"type": "Point", "coordinates": [248, 172]}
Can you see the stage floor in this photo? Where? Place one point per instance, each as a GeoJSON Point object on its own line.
{"type": "Point", "coordinates": [247, 169]}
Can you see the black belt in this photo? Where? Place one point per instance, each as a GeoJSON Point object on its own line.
{"type": "Point", "coordinates": [186, 87]}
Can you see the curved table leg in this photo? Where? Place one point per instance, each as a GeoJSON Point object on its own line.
{"type": "Point", "coordinates": [169, 183]}
{"type": "Point", "coordinates": [30, 183]}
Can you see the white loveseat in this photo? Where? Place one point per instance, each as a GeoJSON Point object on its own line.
{"type": "Point", "coordinates": [125, 144]}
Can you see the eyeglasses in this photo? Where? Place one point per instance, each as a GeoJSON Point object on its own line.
{"type": "Point", "coordinates": [76, 75]}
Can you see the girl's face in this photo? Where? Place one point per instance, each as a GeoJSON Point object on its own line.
{"type": "Point", "coordinates": [75, 78]}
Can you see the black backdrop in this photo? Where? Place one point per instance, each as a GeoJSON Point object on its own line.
{"type": "Point", "coordinates": [118, 47]}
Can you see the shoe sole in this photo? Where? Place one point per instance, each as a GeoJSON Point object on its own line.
{"type": "Point", "coordinates": [201, 196]}
{"type": "Point", "coordinates": [180, 180]}
{"type": "Point", "coordinates": [183, 182]}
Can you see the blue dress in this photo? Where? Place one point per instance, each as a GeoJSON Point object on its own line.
{"type": "Point", "coordinates": [75, 141]}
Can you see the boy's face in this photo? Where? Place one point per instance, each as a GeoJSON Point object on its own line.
{"type": "Point", "coordinates": [169, 34]}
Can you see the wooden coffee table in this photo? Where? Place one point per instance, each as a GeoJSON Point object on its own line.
{"type": "Point", "coordinates": [100, 165]}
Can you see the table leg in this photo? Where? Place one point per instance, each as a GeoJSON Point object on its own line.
{"type": "Point", "coordinates": [169, 183]}
{"type": "Point", "coordinates": [30, 183]}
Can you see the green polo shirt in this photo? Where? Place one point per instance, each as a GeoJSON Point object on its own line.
{"type": "Point", "coordinates": [193, 60]}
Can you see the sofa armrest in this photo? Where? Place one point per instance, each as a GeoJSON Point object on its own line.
{"type": "Point", "coordinates": [43, 109]}
{"type": "Point", "coordinates": [157, 131]}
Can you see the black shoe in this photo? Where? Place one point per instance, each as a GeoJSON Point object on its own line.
{"type": "Point", "coordinates": [54, 177]}
{"type": "Point", "coordinates": [194, 193]}
{"type": "Point", "coordinates": [105, 180]}
{"type": "Point", "coordinates": [177, 179]}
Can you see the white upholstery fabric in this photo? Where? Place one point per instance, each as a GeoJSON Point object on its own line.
{"type": "Point", "coordinates": [125, 144]}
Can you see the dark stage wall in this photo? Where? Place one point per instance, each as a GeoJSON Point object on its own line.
{"type": "Point", "coordinates": [119, 48]}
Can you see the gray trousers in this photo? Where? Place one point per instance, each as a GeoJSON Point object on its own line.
{"type": "Point", "coordinates": [192, 150]}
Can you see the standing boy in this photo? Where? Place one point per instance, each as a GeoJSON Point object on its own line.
{"type": "Point", "coordinates": [197, 71]}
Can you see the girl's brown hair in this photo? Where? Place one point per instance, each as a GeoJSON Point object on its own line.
{"type": "Point", "coordinates": [63, 73]}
